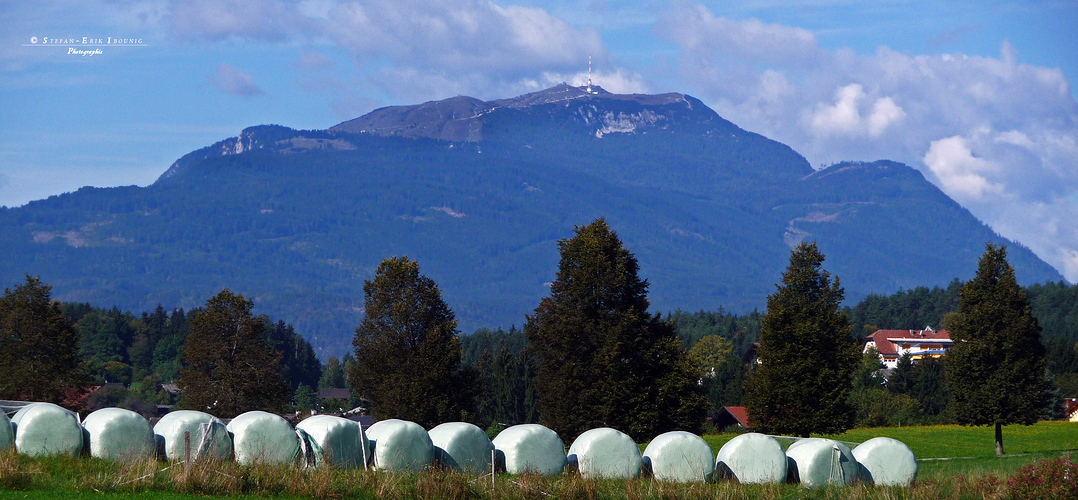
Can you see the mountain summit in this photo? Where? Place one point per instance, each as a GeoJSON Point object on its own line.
{"type": "Point", "coordinates": [480, 192]}
{"type": "Point", "coordinates": [463, 118]}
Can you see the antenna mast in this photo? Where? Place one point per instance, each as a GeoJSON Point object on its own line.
{"type": "Point", "coordinates": [589, 74]}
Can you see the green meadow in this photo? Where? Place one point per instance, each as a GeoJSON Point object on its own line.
{"type": "Point", "coordinates": [955, 462]}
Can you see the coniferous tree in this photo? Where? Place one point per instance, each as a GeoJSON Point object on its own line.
{"type": "Point", "coordinates": [407, 349]}
{"type": "Point", "coordinates": [996, 369]}
{"type": "Point", "coordinates": [807, 356]}
{"type": "Point", "coordinates": [603, 359]}
{"type": "Point", "coordinates": [228, 368]}
{"type": "Point", "coordinates": [39, 347]}
{"type": "Point", "coordinates": [333, 375]}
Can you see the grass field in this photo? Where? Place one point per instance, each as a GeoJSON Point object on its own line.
{"type": "Point", "coordinates": [973, 471]}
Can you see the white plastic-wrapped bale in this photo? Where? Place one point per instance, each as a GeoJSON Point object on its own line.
{"type": "Point", "coordinates": [819, 462]}
{"type": "Point", "coordinates": [119, 434]}
{"type": "Point", "coordinates": [752, 458]}
{"type": "Point", "coordinates": [208, 438]}
{"type": "Point", "coordinates": [400, 445]}
{"type": "Point", "coordinates": [530, 448]}
{"type": "Point", "coordinates": [886, 462]}
{"type": "Point", "coordinates": [679, 456]}
{"type": "Point", "coordinates": [605, 453]}
{"type": "Point", "coordinates": [462, 446]}
{"type": "Point", "coordinates": [47, 429]}
{"type": "Point", "coordinates": [265, 438]}
{"type": "Point", "coordinates": [338, 441]}
{"type": "Point", "coordinates": [7, 433]}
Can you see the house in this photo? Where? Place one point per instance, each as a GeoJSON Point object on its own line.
{"type": "Point", "coordinates": [1071, 413]}
{"type": "Point", "coordinates": [732, 415]}
{"type": "Point", "coordinates": [334, 392]}
{"type": "Point", "coordinates": [919, 344]}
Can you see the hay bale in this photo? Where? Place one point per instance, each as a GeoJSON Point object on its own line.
{"type": "Point", "coordinates": [337, 441]}
{"type": "Point", "coordinates": [462, 446]}
{"type": "Point", "coordinates": [119, 434]}
{"type": "Point", "coordinates": [679, 456]}
{"type": "Point", "coordinates": [7, 433]}
{"type": "Point", "coordinates": [209, 437]}
{"type": "Point", "coordinates": [886, 462]}
{"type": "Point", "coordinates": [818, 462]}
{"type": "Point", "coordinates": [529, 448]}
{"type": "Point", "coordinates": [400, 445]}
{"type": "Point", "coordinates": [46, 429]}
{"type": "Point", "coordinates": [265, 438]}
{"type": "Point", "coordinates": [605, 453]}
{"type": "Point", "coordinates": [752, 458]}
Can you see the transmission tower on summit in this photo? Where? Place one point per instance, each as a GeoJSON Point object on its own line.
{"type": "Point", "coordinates": [589, 74]}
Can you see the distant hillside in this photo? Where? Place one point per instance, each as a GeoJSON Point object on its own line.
{"type": "Point", "coordinates": [480, 192]}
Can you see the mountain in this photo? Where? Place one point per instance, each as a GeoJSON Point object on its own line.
{"type": "Point", "coordinates": [479, 192]}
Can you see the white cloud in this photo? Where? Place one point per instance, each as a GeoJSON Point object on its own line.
{"type": "Point", "coordinates": [884, 114]}
{"type": "Point", "coordinates": [461, 35]}
{"type": "Point", "coordinates": [961, 173]}
{"type": "Point", "coordinates": [694, 26]}
{"type": "Point", "coordinates": [844, 116]}
{"type": "Point", "coordinates": [233, 81]}
{"type": "Point", "coordinates": [408, 49]}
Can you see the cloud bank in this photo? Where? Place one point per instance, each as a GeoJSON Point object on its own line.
{"type": "Point", "coordinates": [997, 135]}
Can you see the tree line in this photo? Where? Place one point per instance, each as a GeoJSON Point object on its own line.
{"type": "Point", "coordinates": [590, 355]}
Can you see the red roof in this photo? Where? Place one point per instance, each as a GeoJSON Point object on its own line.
{"type": "Point", "coordinates": [887, 348]}
{"type": "Point", "coordinates": [1072, 407]}
{"type": "Point", "coordinates": [740, 413]}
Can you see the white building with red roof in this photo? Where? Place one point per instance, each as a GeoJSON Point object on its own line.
{"type": "Point", "coordinates": [919, 344]}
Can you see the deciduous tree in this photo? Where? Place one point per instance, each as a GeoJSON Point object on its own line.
{"type": "Point", "coordinates": [228, 368]}
{"type": "Point", "coordinates": [996, 369]}
{"type": "Point", "coordinates": [603, 359]}
{"type": "Point", "coordinates": [407, 349]}
{"type": "Point", "coordinates": [807, 356]}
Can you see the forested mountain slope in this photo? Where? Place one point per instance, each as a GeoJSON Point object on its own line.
{"type": "Point", "coordinates": [479, 193]}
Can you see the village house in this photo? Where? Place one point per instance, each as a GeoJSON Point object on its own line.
{"type": "Point", "coordinates": [919, 344]}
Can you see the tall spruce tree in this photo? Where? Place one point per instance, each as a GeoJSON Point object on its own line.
{"type": "Point", "coordinates": [407, 349]}
{"type": "Point", "coordinates": [807, 356]}
{"type": "Point", "coordinates": [996, 370]}
{"type": "Point", "coordinates": [603, 359]}
{"type": "Point", "coordinates": [39, 347]}
{"type": "Point", "coordinates": [228, 368]}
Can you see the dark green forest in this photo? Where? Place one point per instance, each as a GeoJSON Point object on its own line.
{"type": "Point", "coordinates": [133, 355]}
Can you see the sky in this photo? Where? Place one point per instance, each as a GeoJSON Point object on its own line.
{"type": "Point", "coordinates": [977, 95]}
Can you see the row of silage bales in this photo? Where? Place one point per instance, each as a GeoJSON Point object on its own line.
{"type": "Point", "coordinates": [398, 445]}
{"type": "Point", "coordinates": [814, 462]}
{"type": "Point", "coordinates": [40, 429]}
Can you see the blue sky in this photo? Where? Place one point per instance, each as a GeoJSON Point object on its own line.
{"type": "Point", "coordinates": [978, 96]}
